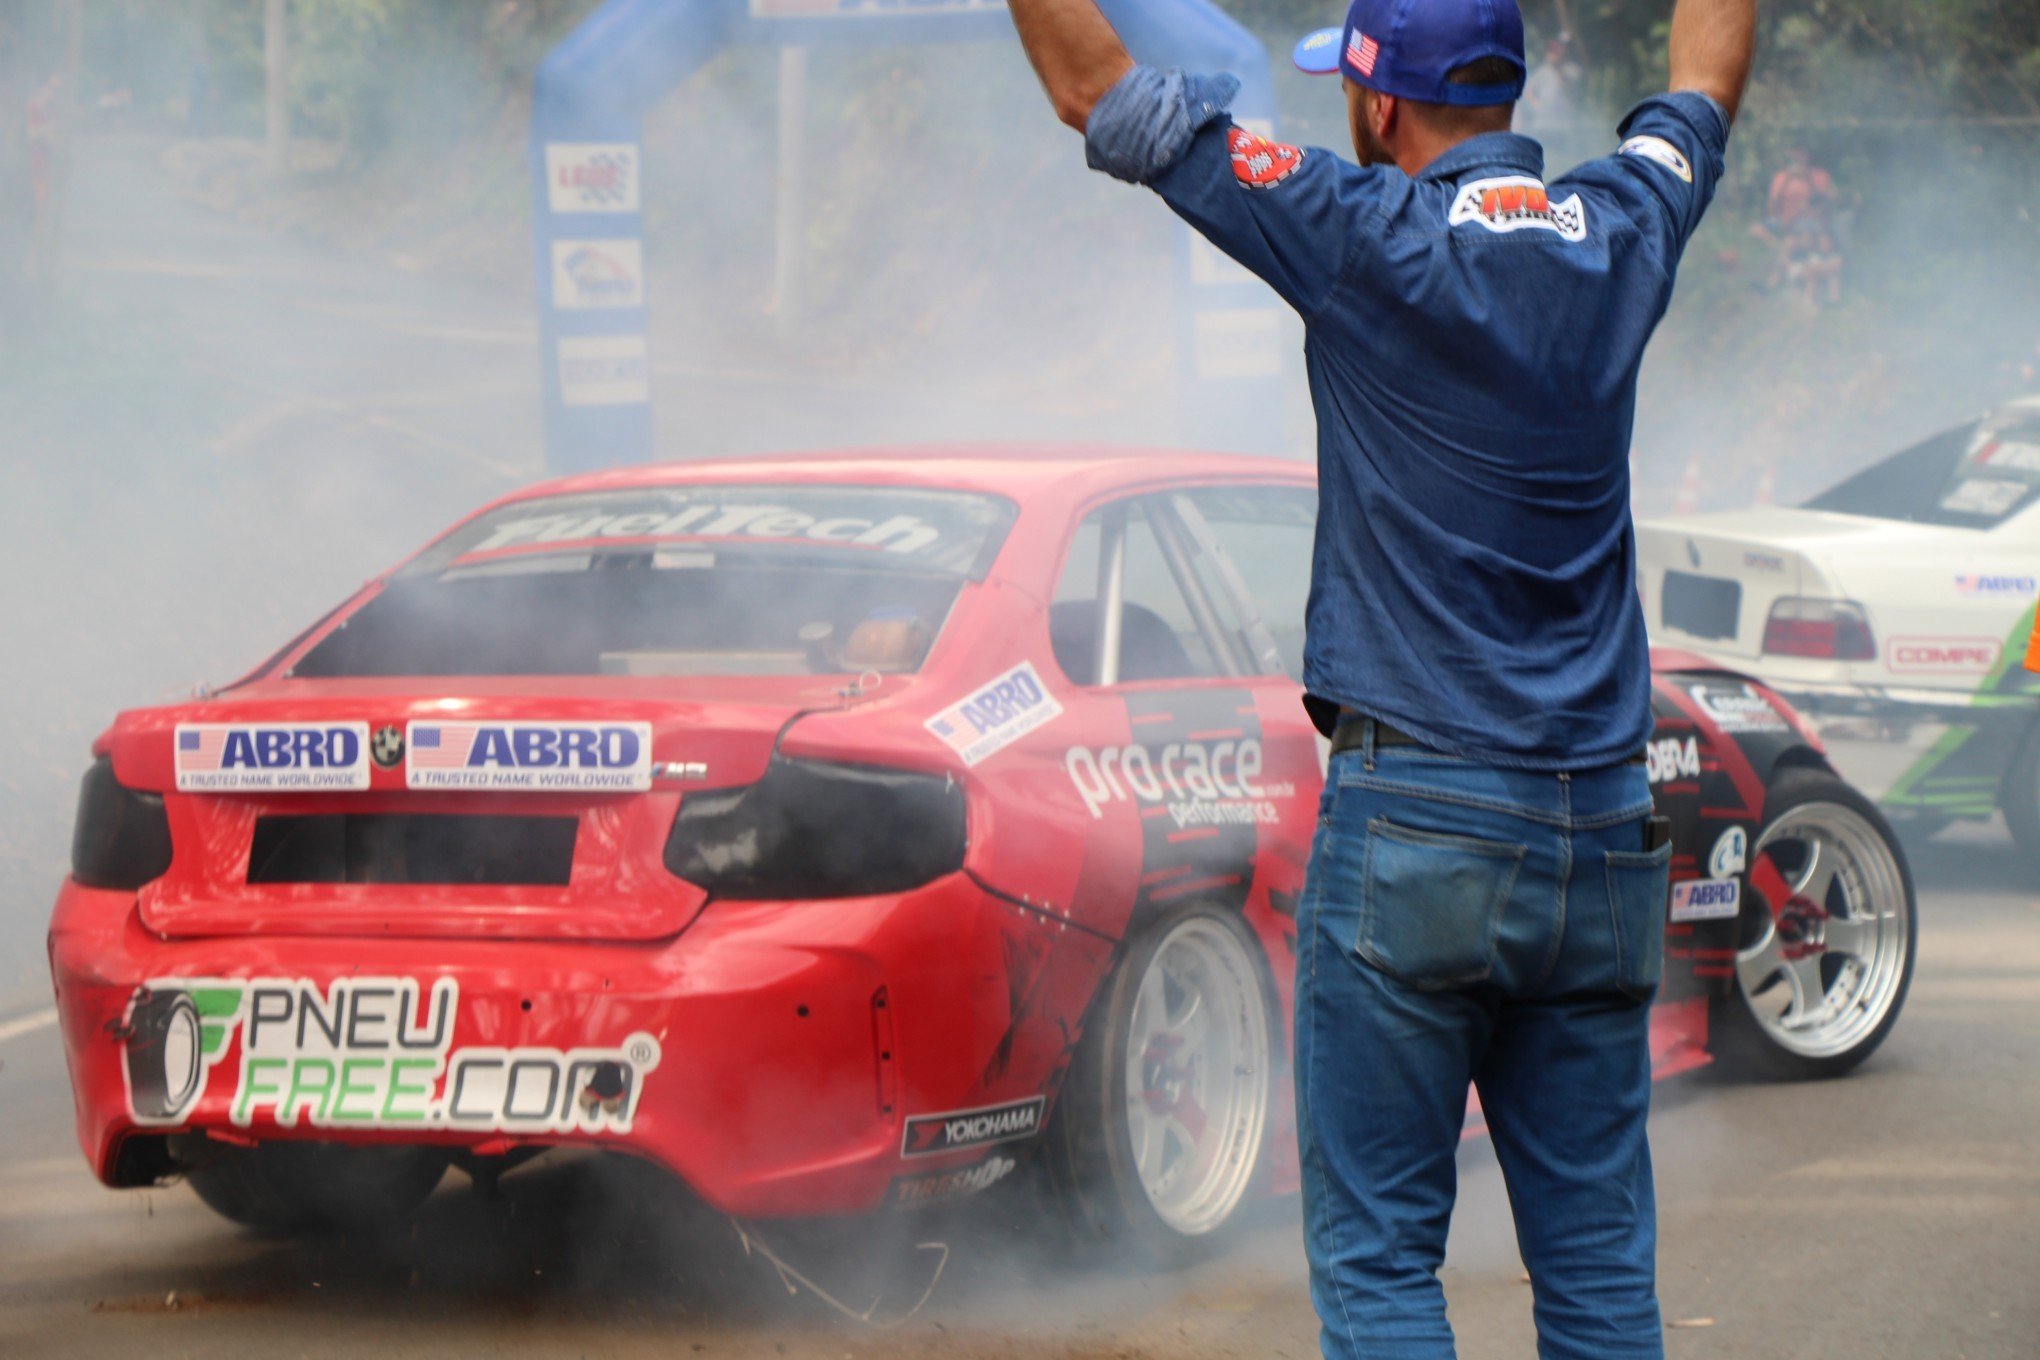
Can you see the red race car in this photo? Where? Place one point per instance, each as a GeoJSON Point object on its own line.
{"type": "Point", "coordinates": [835, 832]}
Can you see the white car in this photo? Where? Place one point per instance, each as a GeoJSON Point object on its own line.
{"type": "Point", "coordinates": [1904, 595]}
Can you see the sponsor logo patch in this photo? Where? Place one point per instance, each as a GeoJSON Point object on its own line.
{"type": "Point", "coordinates": [1731, 854]}
{"type": "Point", "coordinates": [929, 1134]}
{"type": "Point", "coordinates": [1997, 586]}
{"type": "Point", "coordinates": [1942, 654]}
{"type": "Point", "coordinates": [996, 715]}
{"type": "Point", "coordinates": [386, 747]}
{"type": "Point", "coordinates": [1669, 758]}
{"type": "Point", "coordinates": [1196, 783]}
{"type": "Point", "coordinates": [1763, 561]}
{"type": "Point", "coordinates": [1518, 203]}
{"type": "Point", "coordinates": [1706, 899]}
{"type": "Point", "coordinates": [364, 1053]}
{"type": "Point", "coordinates": [591, 177]}
{"type": "Point", "coordinates": [604, 370]}
{"type": "Point", "coordinates": [541, 757]}
{"type": "Point", "coordinates": [1257, 162]}
{"type": "Point", "coordinates": [942, 1186]}
{"type": "Point", "coordinates": [1659, 150]}
{"type": "Point", "coordinates": [598, 275]}
{"type": "Point", "coordinates": [271, 757]}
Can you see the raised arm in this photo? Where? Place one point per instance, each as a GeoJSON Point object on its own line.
{"type": "Point", "coordinates": [1713, 43]}
{"type": "Point", "coordinates": [1074, 51]}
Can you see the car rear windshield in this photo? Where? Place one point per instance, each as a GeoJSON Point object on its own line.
{"type": "Point", "coordinates": [1973, 477]}
{"type": "Point", "coordinates": [697, 580]}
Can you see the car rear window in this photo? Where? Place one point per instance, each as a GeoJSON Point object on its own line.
{"type": "Point", "coordinates": [1973, 477]}
{"type": "Point", "coordinates": [697, 580]}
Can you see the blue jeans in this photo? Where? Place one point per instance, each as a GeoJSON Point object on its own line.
{"type": "Point", "coordinates": [1468, 925]}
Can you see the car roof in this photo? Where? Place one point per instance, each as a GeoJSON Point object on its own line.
{"type": "Point", "coordinates": [1023, 472]}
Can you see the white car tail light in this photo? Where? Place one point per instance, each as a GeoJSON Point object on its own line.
{"type": "Point", "coordinates": [1827, 630]}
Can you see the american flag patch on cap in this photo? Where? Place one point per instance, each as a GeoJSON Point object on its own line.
{"type": "Point", "coordinates": [1363, 52]}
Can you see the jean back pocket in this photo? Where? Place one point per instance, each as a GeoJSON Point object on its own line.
{"type": "Point", "coordinates": [1433, 904]}
{"type": "Point", "coordinates": [1639, 884]}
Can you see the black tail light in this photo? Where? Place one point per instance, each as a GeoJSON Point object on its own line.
{"type": "Point", "coordinates": [122, 839]}
{"type": "Point", "coordinates": [809, 829]}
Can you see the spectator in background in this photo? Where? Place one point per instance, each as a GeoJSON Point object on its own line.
{"type": "Point", "coordinates": [1551, 94]}
{"type": "Point", "coordinates": [1802, 226]}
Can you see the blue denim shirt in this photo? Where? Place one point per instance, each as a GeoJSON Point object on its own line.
{"type": "Point", "coordinates": [1473, 340]}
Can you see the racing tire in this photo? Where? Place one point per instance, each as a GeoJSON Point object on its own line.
{"type": "Point", "coordinates": [164, 1055]}
{"type": "Point", "coordinates": [1818, 987]}
{"type": "Point", "coordinates": [1162, 1128]}
{"type": "Point", "coordinates": [313, 1187]}
{"type": "Point", "coordinates": [2020, 798]}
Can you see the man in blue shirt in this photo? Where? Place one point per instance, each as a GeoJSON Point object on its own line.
{"type": "Point", "coordinates": [1487, 897]}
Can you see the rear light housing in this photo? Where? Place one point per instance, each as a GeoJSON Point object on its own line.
{"type": "Point", "coordinates": [811, 829]}
{"type": "Point", "coordinates": [122, 838]}
{"type": "Point", "coordinates": [1824, 630]}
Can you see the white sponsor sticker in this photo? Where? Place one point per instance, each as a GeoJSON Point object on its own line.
{"type": "Point", "coordinates": [271, 757]}
{"type": "Point", "coordinates": [942, 1186]}
{"type": "Point", "coordinates": [1518, 203]}
{"type": "Point", "coordinates": [592, 177]}
{"type": "Point", "coordinates": [995, 715]}
{"type": "Point", "coordinates": [929, 1134]}
{"type": "Point", "coordinates": [901, 534]}
{"type": "Point", "coordinates": [365, 1053]}
{"type": "Point", "coordinates": [1731, 854]}
{"type": "Point", "coordinates": [1984, 496]}
{"type": "Point", "coordinates": [1669, 758]}
{"type": "Point", "coordinates": [1706, 899]}
{"type": "Point", "coordinates": [535, 757]}
{"type": "Point", "coordinates": [604, 370]}
{"type": "Point", "coordinates": [1998, 586]}
{"type": "Point", "coordinates": [1663, 152]}
{"type": "Point", "coordinates": [1738, 708]}
{"type": "Point", "coordinates": [598, 275]}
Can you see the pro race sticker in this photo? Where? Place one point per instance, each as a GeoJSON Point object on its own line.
{"type": "Point", "coordinates": [364, 1053]}
{"type": "Point", "coordinates": [928, 1134]}
{"type": "Point", "coordinates": [271, 757]}
{"type": "Point", "coordinates": [1706, 899]}
{"type": "Point", "coordinates": [996, 715]}
{"type": "Point", "coordinates": [537, 757]}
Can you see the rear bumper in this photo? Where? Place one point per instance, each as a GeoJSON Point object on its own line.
{"type": "Point", "coordinates": [770, 1056]}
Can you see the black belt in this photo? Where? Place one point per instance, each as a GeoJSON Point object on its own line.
{"type": "Point", "coordinates": [1351, 735]}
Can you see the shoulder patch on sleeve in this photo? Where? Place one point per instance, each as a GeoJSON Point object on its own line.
{"type": "Point", "coordinates": [1659, 150]}
{"type": "Point", "coordinates": [1258, 163]}
{"type": "Point", "coordinates": [1518, 203]}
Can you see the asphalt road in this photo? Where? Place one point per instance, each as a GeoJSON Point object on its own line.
{"type": "Point", "coordinates": [217, 407]}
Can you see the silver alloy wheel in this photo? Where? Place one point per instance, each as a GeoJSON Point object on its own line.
{"type": "Point", "coordinates": [1197, 1060]}
{"type": "Point", "coordinates": [1824, 974]}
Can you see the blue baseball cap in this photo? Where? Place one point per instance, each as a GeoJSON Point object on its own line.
{"type": "Point", "coordinates": [1407, 48]}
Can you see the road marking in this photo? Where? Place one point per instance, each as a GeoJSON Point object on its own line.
{"type": "Point", "coordinates": [27, 1024]}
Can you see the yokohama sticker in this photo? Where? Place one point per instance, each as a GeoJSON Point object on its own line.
{"type": "Point", "coordinates": [365, 1053]}
{"type": "Point", "coordinates": [929, 1134]}
{"type": "Point", "coordinates": [996, 715]}
{"type": "Point", "coordinates": [271, 757]}
{"type": "Point", "coordinates": [1706, 899]}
